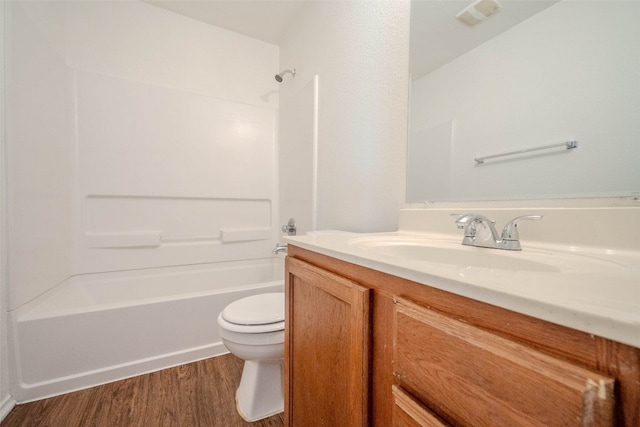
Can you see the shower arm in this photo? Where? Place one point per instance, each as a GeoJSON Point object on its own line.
{"type": "Point", "coordinates": [279, 76]}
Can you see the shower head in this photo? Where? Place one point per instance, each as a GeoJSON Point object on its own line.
{"type": "Point", "coordinates": [279, 76]}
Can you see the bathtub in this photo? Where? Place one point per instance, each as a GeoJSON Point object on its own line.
{"type": "Point", "coordinates": [98, 328]}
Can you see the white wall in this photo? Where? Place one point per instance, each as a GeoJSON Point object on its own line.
{"type": "Point", "coordinates": [140, 42]}
{"type": "Point", "coordinates": [360, 52]}
{"type": "Point", "coordinates": [39, 152]}
{"type": "Point", "coordinates": [6, 401]}
{"type": "Point", "coordinates": [297, 165]}
{"type": "Point", "coordinates": [176, 138]}
{"type": "Point", "coordinates": [36, 163]}
{"type": "Point", "coordinates": [569, 72]}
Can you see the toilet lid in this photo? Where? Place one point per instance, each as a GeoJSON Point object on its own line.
{"type": "Point", "coordinates": [259, 309]}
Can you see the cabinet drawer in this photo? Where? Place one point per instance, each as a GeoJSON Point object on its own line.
{"type": "Point", "coordinates": [471, 377]}
{"type": "Point", "coordinates": [408, 412]}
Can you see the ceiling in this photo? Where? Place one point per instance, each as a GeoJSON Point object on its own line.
{"type": "Point", "coordinates": [437, 37]}
{"type": "Point", "coordinates": [265, 20]}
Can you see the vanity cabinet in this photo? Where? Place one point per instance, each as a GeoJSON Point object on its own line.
{"type": "Point", "coordinates": [421, 356]}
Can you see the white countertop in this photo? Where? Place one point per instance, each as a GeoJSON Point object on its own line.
{"type": "Point", "coordinates": [592, 290]}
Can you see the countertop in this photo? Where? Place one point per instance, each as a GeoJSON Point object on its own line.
{"type": "Point", "coordinates": [592, 290]}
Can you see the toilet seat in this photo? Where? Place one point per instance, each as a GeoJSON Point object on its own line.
{"type": "Point", "coordinates": [255, 314]}
{"type": "Point", "coordinates": [249, 329]}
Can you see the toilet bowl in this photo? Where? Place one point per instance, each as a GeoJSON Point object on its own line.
{"type": "Point", "coordinates": [252, 329]}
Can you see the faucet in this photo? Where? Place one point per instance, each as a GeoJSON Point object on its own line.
{"type": "Point", "coordinates": [480, 231]}
{"type": "Point", "coordinates": [290, 227]}
{"type": "Point", "coordinates": [280, 247]}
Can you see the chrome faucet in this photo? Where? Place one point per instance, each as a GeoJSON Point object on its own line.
{"type": "Point", "coordinates": [280, 247]}
{"type": "Point", "coordinates": [290, 227]}
{"type": "Point", "coordinates": [480, 231]}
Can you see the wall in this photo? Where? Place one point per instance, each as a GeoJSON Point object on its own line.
{"type": "Point", "coordinates": [176, 139]}
{"type": "Point", "coordinates": [39, 151]}
{"type": "Point", "coordinates": [569, 72]}
{"type": "Point", "coordinates": [36, 162]}
{"type": "Point", "coordinates": [360, 52]}
{"type": "Point", "coordinates": [6, 401]}
{"type": "Point", "coordinates": [297, 160]}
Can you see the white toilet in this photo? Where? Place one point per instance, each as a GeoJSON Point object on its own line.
{"type": "Point", "coordinates": [252, 329]}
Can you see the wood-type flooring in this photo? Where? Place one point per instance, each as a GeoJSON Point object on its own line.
{"type": "Point", "coordinates": [199, 394]}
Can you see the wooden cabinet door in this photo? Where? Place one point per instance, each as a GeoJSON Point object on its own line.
{"type": "Point", "coordinates": [471, 377]}
{"type": "Point", "coordinates": [327, 330]}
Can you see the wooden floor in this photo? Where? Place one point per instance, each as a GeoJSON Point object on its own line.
{"type": "Point", "coordinates": [197, 394]}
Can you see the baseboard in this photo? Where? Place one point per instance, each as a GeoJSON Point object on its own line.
{"type": "Point", "coordinates": [6, 406]}
{"type": "Point", "coordinates": [31, 392]}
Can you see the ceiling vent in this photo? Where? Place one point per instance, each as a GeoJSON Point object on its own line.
{"type": "Point", "coordinates": [478, 11]}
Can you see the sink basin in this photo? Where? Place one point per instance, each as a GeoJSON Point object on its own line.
{"type": "Point", "coordinates": [445, 252]}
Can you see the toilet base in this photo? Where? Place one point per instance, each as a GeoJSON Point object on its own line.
{"type": "Point", "coordinates": [260, 394]}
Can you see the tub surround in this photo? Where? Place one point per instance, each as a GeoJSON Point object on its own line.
{"type": "Point", "coordinates": [593, 254]}
{"type": "Point", "coordinates": [99, 198]}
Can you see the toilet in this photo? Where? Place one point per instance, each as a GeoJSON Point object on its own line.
{"type": "Point", "coordinates": [252, 329]}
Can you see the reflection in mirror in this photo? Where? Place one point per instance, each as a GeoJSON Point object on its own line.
{"type": "Point", "coordinates": [535, 73]}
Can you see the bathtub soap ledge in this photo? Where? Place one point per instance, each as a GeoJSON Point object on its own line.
{"type": "Point", "coordinates": [244, 234]}
{"type": "Point", "coordinates": [124, 240]}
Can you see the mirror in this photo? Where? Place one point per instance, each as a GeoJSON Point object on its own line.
{"type": "Point", "coordinates": [533, 75]}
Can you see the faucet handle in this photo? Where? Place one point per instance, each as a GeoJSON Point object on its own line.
{"type": "Point", "coordinates": [456, 217]}
{"type": "Point", "coordinates": [470, 218]}
{"type": "Point", "coordinates": [510, 231]}
{"type": "Point", "coordinates": [466, 222]}
{"type": "Point", "coordinates": [290, 227]}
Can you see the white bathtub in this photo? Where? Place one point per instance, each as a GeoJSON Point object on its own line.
{"type": "Point", "coordinates": [97, 328]}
